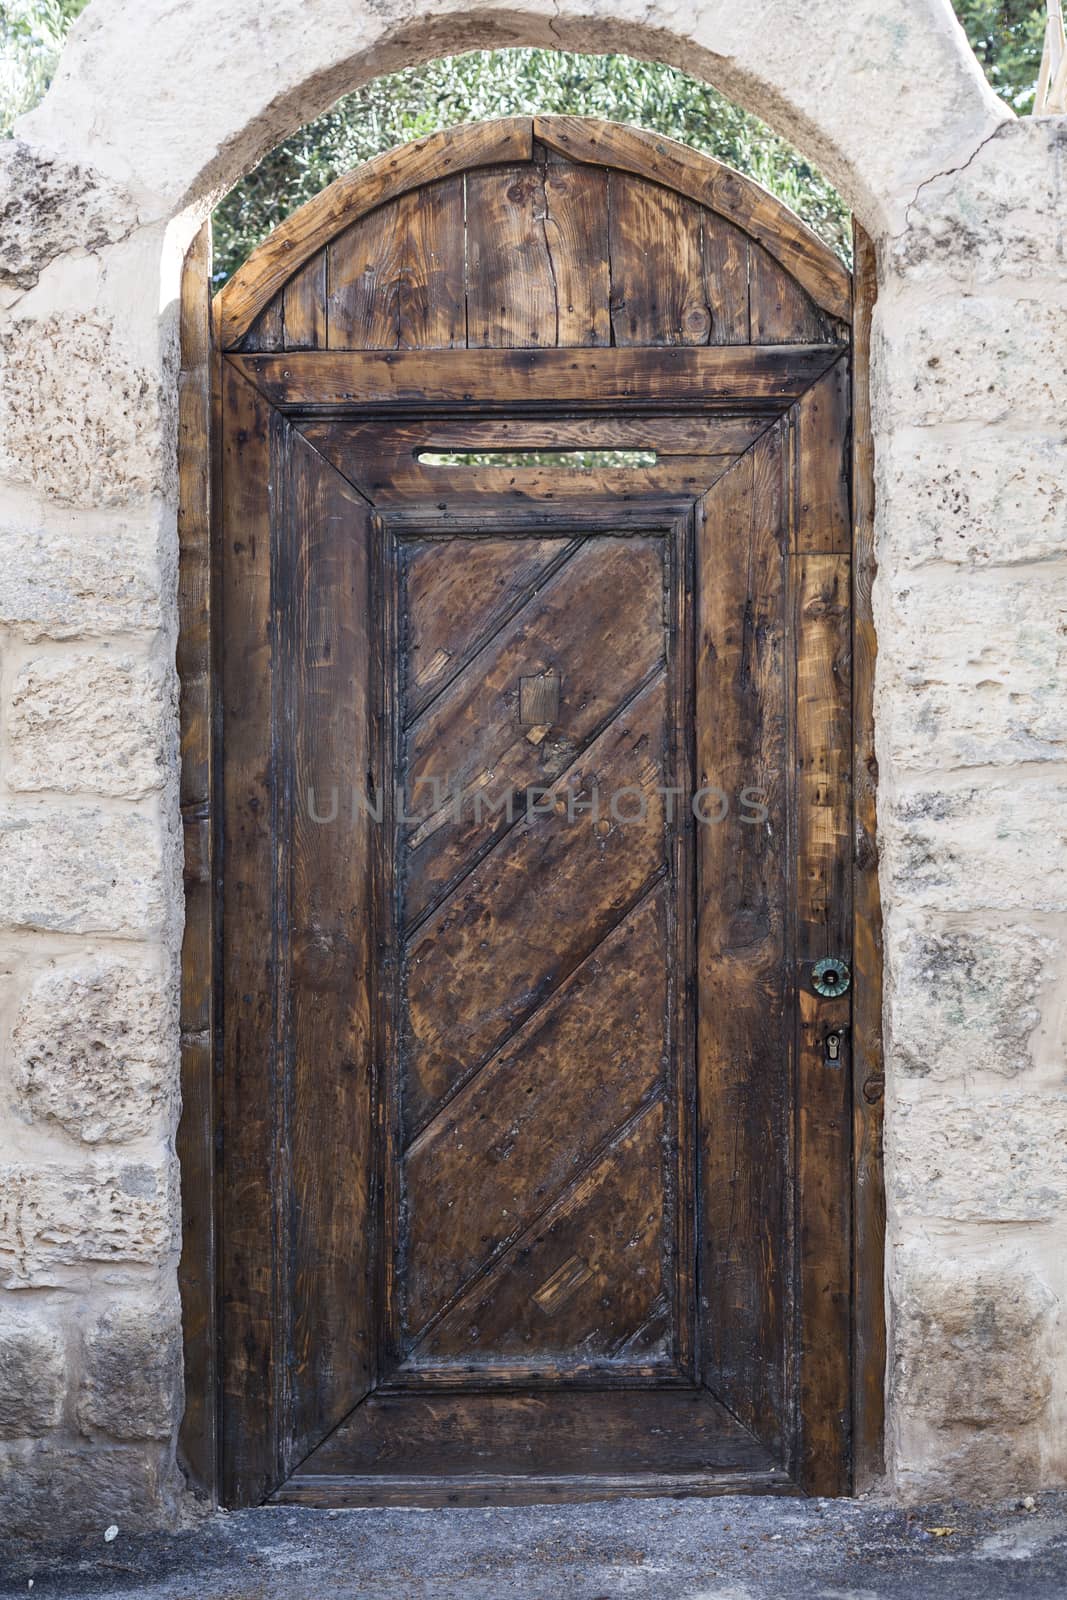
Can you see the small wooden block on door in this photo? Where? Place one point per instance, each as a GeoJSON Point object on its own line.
{"type": "Point", "coordinates": [539, 700]}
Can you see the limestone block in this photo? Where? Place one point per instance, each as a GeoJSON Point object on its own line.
{"type": "Point", "coordinates": [54, 1217]}
{"type": "Point", "coordinates": [131, 1376]}
{"type": "Point", "coordinates": [1000, 215]}
{"type": "Point", "coordinates": [973, 1342]}
{"type": "Point", "coordinates": [95, 722]}
{"type": "Point", "coordinates": [80, 421]}
{"type": "Point", "coordinates": [69, 1490]}
{"type": "Point", "coordinates": [970, 1158]}
{"type": "Point", "coordinates": [985, 499]}
{"type": "Point", "coordinates": [48, 206]}
{"type": "Point", "coordinates": [964, 1000]}
{"type": "Point", "coordinates": [950, 358]}
{"type": "Point", "coordinates": [68, 583]}
{"type": "Point", "coordinates": [975, 667]}
{"type": "Point", "coordinates": [93, 1049]}
{"type": "Point", "coordinates": [989, 845]}
{"type": "Point", "coordinates": [33, 1374]}
{"type": "Point", "coordinates": [81, 871]}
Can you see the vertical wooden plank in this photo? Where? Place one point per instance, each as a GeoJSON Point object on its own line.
{"type": "Point", "coordinates": [823, 759]}
{"type": "Point", "coordinates": [782, 312]}
{"type": "Point", "coordinates": [322, 605]}
{"type": "Point", "coordinates": [395, 279]}
{"type": "Point", "coordinates": [268, 330]}
{"type": "Point", "coordinates": [657, 271]}
{"type": "Point", "coordinates": [304, 306]}
{"type": "Point", "coordinates": [576, 233]}
{"type": "Point", "coordinates": [868, 1240]}
{"type": "Point", "coordinates": [251, 1369]}
{"type": "Point", "coordinates": [824, 503]}
{"type": "Point", "coordinates": [725, 253]}
{"type": "Point", "coordinates": [744, 1027]}
{"type": "Point", "coordinates": [195, 1136]}
{"type": "Point", "coordinates": [362, 275]}
{"type": "Point", "coordinates": [512, 301]}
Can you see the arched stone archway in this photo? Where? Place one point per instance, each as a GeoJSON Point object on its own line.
{"type": "Point", "coordinates": [156, 110]}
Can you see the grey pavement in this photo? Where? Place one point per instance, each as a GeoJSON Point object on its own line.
{"type": "Point", "coordinates": [727, 1549]}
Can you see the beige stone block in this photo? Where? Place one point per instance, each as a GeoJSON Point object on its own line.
{"type": "Point", "coordinates": [33, 1373]}
{"type": "Point", "coordinates": [989, 845]}
{"type": "Point", "coordinates": [94, 1050]}
{"type": "Point", "coordinates": [951, 358]}
{"type": "Point", "coordinates": [69, 1490]}
{"type": "Point", "coordinates": [999, 216]}
{"type": "Point", "coordinates": [80, 421]}
{"type": "Point", "coordinates": [131, 1373]}
{"type": "Point", "coordinates": [985, 498]}
{"type": "Point", "coordinates": [978, 1158]}
{"type": "Point", "coordinates": [974, 667]}
{"type": "Point", "coordinates": [81, 871]}
{"type": "Point", "coordinates": [96, 722]}
{"type": "Point", "coordinates": [56, 1217]}
{"type": "Point", "coordinates": [69, 583]}
{"type": "Point", "coordinates": [48, 206]}
{"type": "Point", "coordinates": [973, 1341]}
{"type": "Point", "coordinates": [964, 1000]}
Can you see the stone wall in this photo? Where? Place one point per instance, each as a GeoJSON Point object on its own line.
{"type": "Point", "coordinates": [156, 110]}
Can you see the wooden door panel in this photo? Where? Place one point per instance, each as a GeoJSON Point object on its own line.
{"type": "Point", "coordinates": [535, 818]}
{"type": "Point", "coordinates": [484, 1169]}
{"type": "Point", "coordinates": [467, 992]}
{"type": "Point", "coordinates": [472, 739]}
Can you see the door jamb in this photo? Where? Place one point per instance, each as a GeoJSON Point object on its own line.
{"type": "Point", "coordinates": [197, 412]}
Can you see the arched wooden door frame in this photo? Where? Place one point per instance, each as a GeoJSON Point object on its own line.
{"type": "Point", "coordinates": [207, 333]}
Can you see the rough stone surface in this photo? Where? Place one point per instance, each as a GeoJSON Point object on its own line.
{"type": "Point", "coordinates": [979, 501]}
{"type": "Point", "coordinates": [49, 206]}
{"type": "Point", "coordinates": [131, 1376]}
{"type": "Point", "coordinates": [97, 722]}
{"type": "Point", "coordinates": [970, 1001]}
{"type": "Point", "coordinates": [68, 583]}
{"type": "Point", "coordinates": [951, 357]}
{"type": "Point", "coordinates": [1001, 216]}
{"type": "Point", "coordinates": [980, 1158]}
{"type": "Point", "coordinates": [80, 421]}
{"type": "Point", "coordinates": [86, 1489]}
{"type": "Point", "coordinates": [93, 1050]}
{"type": "Point", "coordinates": [81, 871]}
{"type": "Point", "coordinates": [984, 844]}
{"type": "Point", "coordinates": [994, 690]}
{"type": "Point", "coordinates": [55, 1217]}
{"type": "Point", "coordinates": [973, 1348]}
{"type": "Point", "coordinates": [33, 1375]}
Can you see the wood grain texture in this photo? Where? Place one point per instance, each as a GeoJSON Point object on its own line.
{"type": "Point", "coordinates": [744, 1044]}
{"type": "Point", "coordinates": [740, 200]}
{"type": "Point", "coordinates": [198, 1443]}
{"type": "Point", "coordinates": [658, 287]}
{"type": "Point", "coordinates": [868, 1073]}
{"type": "Point", "coordinates": [727, 378]}
{"type": "Point", "coordinates": [395, 280]}
{"type": "Point", "coordinates": [352, 196]}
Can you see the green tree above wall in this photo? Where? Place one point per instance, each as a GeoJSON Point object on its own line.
{"type": "Point", "coordinates": [1005, 34]}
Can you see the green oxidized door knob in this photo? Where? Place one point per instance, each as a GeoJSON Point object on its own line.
{"type": "Point", "coordinates": [830, 976]}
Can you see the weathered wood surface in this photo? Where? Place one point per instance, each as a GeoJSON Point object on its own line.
{"type": "Point", "coordinates": [868, 1079]}
{"type": "Point", "coordinates": [556, 231]}
{"type": "Point", "coordinates": [726, 378]}
{"type": "Point", "coordinates": [502, 1105]}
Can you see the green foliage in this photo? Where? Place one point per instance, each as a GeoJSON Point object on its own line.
{"type": "Point", "coordinates": [31, 37]}
{"type": "Point", "coordinates": [406, 105]}
{"type": "Point", "coordinates": [1007, 36]}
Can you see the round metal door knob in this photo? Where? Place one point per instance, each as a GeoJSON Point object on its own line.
{"type": "Point", "coordinates": [830, 976]}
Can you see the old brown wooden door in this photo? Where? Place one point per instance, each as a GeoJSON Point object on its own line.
{"type": "Point", "coordinates": [533, 541]}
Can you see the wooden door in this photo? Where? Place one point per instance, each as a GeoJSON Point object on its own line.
{"type": "Point", "coordinates": [533, 545]}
